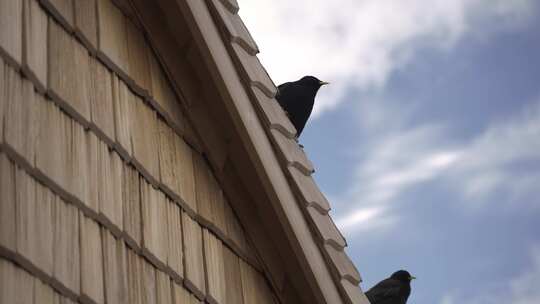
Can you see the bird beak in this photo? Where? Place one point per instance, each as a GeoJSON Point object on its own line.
{"type": "Point", "coordinates": [412, 278]}
{"type": "Point", "coordinates": [323, 83]}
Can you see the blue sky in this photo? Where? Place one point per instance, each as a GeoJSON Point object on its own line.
{"type": "Point", "coordinates": [427, 142]}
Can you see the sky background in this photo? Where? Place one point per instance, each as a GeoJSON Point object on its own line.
{"type": "Point", "coordinates": [427, 142]}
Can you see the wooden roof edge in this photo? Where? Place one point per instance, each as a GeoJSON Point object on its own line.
{"type": "Point", "coordinates": [294, 159]}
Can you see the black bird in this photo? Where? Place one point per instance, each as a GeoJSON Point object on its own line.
{"type": "Point", "coordinates": [394, 290]}
{"type": "Point", "coordinates": [297, 99]}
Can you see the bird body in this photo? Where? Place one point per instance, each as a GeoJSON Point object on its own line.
{"type": "Point", "coordinates": [393, 290]}
{"type": "Point", "coordinates": [297, 99]}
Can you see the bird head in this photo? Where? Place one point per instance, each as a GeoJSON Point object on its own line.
{"type": "Point", "coordinates": [312, 81]}
{"type": "Point", "coordinates": [403, 276]}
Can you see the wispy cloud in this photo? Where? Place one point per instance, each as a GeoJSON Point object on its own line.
{"type": "Point", "coordinates": [489, 162]}
{"type": "Point", "coordinates": [360, 43]}
{"type": "Point", "coordinates": [521, 289]}
{"type": "Point", "coordinates": [365, 219]}
{"type": "Point", "coordinates": [477, 169]}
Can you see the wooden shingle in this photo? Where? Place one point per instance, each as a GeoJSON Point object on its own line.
{"type": "Point", "coordinates": [273, 114]}
{"type": "Point", "coordinates": [193, 255]}
{"type": "Point", "coordinates": [249, 283]}
{"type": "Point", "coordinates": [134, 278]}
{"type": "Point", "coordinates": [326, 228]}
{"type": "Point", "coordinates": [218, 211]}
{"type": "Point", "coordinates": [43, 293]}
{"type": "Point", "coordinates": [24, 287]}
{"type": "Point", "coordinates": [308, 192]}
{"type": "Point", "coordinates": [101, 101]}
{"type": "Point", "coordinates": [235, 233]}
{"type": "Point", "coordinates": [66, 269]}
{"type": "Point", "coordinates": [353, 293]}
{"type": "Point", "coordinates": [21, 118]}
{"type": "Point", "coordinates": [175, 255]}
{"type": "Point", "coordinates": [118, 273]}
{"type": "Point", "coordinates": [26, 213]}
{"type": "Point", "coordinates": [254, 287]}
{"type": "Point", "coordinates": [91, 262]}
{"type": "Point", "coordinates": [3, 66]}
{"type": "Point", "coordinates": [7, 203]}
{"type": "Point", "coordinates": [254, 72]}
{"type": "Point", "coordinates": [163, 95]}
{"type": "Point", "coordinates": [62, 10]}
{"type": "Point", "coordinates": [94, 146]}
{"type": "Point", "coordinates": [44, 229]}
{"type": "Point", "coordinates": [34, 55]}
{"type": "Point", "coordinates": [233, 281]}
{"type": "Point", "coordinates": [86, 23]}
{"type": "Point", "coordinates": [68, 72]}
{"type": "Point", "coordinates": [50, 159]}
{"type": "Point", "coordinates": [167, 158]}
{"type": "Point", "coordinates": [203, 189]}
{"type": "Point", "coordinates": [65, 300]}
{"type": "Point", "coordinates": [232, 5]}
{"type": "Point", "coordinates": [11, 30]}
{"type": "Point", "coordinates": [163, 286]}
{"type": "Point", "coordinates": [154, 223]}
{"type": "Point", "coordinates": [149, 287]}
{"type": "Point", "coordinates": [291, 153]}
{"type": "Point", "coordinates": [186, 174]}
{"type": "Point", "coordinates": [144, 136]}
{"type": "Point", "coordinates": [78, 155]}
{"type": "Point", "coordinates": [138, 52]}
{"type": "Point", "coordinates": [104, 187]}
{"type": "Point", "coordinates": [206, 188]}
{"type": "Point", "coordinates": [132, 206]}
{"type": "Point", "coordinates": [110, 188]}
{"type": "Point", "coordinates": [8, 290]}
{"type": "Point", "coordinates": [12, 104]}
{"type": "Point", "coordinates": [180, 294]}
{"type": "Point", "coordinates": [123, 114]}
{"type": "Point", "coordinates": [183, 296]}
{"type": "Point", "coordinates": [343, 266]}
{"type": "Point", "coordinates": [117, 171]}
{"type": "Point", "coordinates": [112, 36]}
{"type": "Point", "coordinates": [236, 30]}
{"type": "Point", "coordinates": [215, 268]}
{"type": "Point", "coordinates": [66, 138]}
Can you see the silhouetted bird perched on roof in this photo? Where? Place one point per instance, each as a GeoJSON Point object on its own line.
{"type": "Point", "coordinates": [394, 290]}
{"type": "Point", "coordinates": [297, 99]}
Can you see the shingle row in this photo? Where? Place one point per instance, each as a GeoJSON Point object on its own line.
{"type": "Point", "coordinates": [80, 257]}
{"type": "Point", "coordinates": [86, 167]}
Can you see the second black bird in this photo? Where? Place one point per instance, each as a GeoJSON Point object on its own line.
{"type": "Point", "coordinates": [393, 290]}
{"type": "Point", "coordinates": [297, 99]}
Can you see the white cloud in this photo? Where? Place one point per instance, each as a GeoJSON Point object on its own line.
{"type": "Point", "coordinates": [359, 43]}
